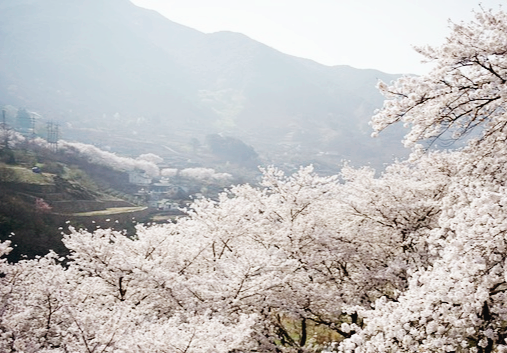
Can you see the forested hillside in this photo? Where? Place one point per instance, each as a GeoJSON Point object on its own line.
{"type": "Point", "coordinates": [113, 71]}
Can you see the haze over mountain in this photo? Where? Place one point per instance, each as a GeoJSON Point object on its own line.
{"type": "Point", "coordinates": [122, 70]}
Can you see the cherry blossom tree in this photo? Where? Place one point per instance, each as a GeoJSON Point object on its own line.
{"type": "Point", "coordinates": [458, 302]}
{"type": "Point", "coordinates": [264, 268]}
{"type": "Point", "coordinates": [305, 251]}
{"type": "Point", "coordinates": [150, 157]}
{"type": "Point", "coordinates": [146, 162]}
{"type": "Point", "coordinates": [83, 307]}
{"type": "Point", "coordinates": [464, 91]}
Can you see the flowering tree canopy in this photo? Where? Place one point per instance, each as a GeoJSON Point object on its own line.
{"type": "Point", "coordinates": [458, 303]}
{"type": "Point", "coordinates": [465, 90]}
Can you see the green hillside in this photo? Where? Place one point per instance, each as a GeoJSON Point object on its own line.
{"type": "Point", "coordinates": [43, 193]}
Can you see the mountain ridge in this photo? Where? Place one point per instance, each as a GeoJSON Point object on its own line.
{"type": "Point", "coordinates": [83, 62]}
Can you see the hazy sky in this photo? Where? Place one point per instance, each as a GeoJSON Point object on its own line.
{"type": "Point", "coordinates": [375, 34]}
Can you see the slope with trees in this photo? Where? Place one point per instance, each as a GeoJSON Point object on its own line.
{"type": "Point", "coordinates": [117, 69]}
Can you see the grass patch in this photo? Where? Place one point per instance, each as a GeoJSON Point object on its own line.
{"type": "Point", "coordinates": [22, 175]}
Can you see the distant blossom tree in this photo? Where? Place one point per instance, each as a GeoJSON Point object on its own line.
{"type": "Point", "coordinates": [150, 157]}
{"type": "Point", "coordinates": [42, 206]}
{"type": "Point", "coordinates": [146, 163]}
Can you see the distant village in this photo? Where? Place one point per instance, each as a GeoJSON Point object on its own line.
{"type": "Point", "coordinates": [160, 194]}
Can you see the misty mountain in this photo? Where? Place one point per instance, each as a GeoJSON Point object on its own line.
{"type": "Point", "coordinates": [122, 70]}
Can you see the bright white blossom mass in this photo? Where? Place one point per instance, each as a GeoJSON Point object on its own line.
{"type": "Point", "coordinates": [411, 261]}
